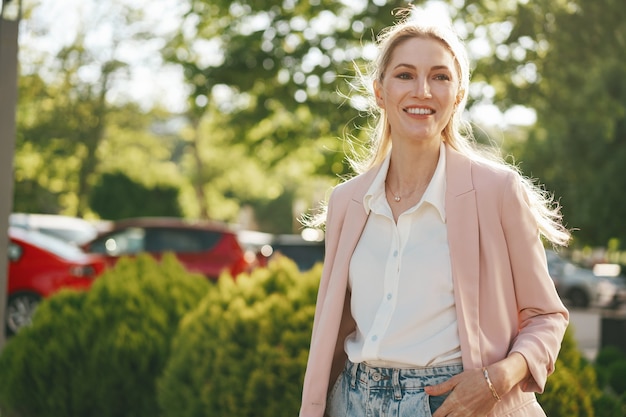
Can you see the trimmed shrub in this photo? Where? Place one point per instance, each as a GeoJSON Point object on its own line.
{"type": "Point", "coordinates": [581, 389]}
{"type": "Point", "coordinates": [37, 364]}
{"type": "Point", "coordinates": [572, 389]}
{"type": "Point", "coordinates": [99, 353]}
{"type": "Point", "coordinates": [609, 406]}
{"type": "Point", "coordinates": [610, 365]}
{"type": "Point", "coordinates": [564, 397]}
{"type": "Point", "coordinates": [617, 377]}
{"type": "Point", "coordinates": [243, 351]}
{"type": "Point", "coordinates": [607, 360]}
{"type": "Point", "coordinates": [608, 355]}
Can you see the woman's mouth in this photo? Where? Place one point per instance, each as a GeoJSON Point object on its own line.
{"type": "Point", "coordinates": [419, 110]}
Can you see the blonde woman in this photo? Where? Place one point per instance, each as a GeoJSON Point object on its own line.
{"type": "Point", "coordinates": [435, 297]}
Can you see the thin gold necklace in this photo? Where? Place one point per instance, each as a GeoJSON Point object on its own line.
{"type": "Point", "coordinates": [396, 197]}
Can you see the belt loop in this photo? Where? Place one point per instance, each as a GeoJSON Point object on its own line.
{"type": "Point", "coordinates": [397, 390]}
{"type": "Point", "coordinates": [353, 370]}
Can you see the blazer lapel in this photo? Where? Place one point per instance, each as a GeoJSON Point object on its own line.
{"type": "Point", "coordinates": [354, 221]}
{"type": "Point", "coordinates": [463, 238]}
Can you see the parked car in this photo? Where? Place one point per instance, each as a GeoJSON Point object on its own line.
{"type": "Point", "coordinates": [71, 229]}
{"type": "Point", "coordinates": [305, 249]}
{"type": "Point", "coordinates": [581, 287]}
{"type": "Point", "coordinates": [39, 266]}
{"type": "Point", "coordinates": [201, 246]}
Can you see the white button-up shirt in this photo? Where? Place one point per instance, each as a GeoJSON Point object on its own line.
{"type": "Point", "coordinates": [401, 281]}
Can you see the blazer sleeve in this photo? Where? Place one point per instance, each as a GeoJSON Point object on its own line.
{"type": "Point", "coordinates": [543, 318]}
{"type": "Point", "coordinates": [319, 364]}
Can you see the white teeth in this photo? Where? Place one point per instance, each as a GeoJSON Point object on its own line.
{"type": "Point", "coordinates": [419, 111]}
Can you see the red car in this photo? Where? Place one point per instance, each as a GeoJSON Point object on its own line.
{"type": "Point", "coordinates": [40, 265]}
{"type": "Point", "coordinates": [205, 247]}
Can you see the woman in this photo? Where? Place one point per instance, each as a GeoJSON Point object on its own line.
{"type": "Point", "coordinates": [435, 296]}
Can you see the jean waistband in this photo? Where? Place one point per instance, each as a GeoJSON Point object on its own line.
{"type": "Point", "coordinates": [407, 378]}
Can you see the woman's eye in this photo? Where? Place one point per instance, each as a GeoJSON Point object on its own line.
{"type": "Point", "coordinates": [442, 77]}
{"type": "Point", "coordinates": [404, 76]}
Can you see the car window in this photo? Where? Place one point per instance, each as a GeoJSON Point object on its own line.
{"type": "Point", "coordinates": [71, 229]}
{"type": "Point", "coordinates": [123, 242]}
{"type": "Point", "coordinates": [54, 245]}
{"type": "Point", "coordinates": [305, 256]}
{"type": "Point", "coordinates": [180, 240]}
{"type": "Point", "coordinates": [558, 267]}
{"type": "Point", "coordinates": [75, 236]}
{"type": "Point", "coordinates": [555, 267]}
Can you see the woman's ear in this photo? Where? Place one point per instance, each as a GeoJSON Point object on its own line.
{"type": "Point", "coordinates": [378, 94]}
{"type": "Point", "coordinates": [459, 97]}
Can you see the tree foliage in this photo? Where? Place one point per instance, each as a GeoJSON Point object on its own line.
{"type": "Point", "coordinates": [270, 104]}
{"type": "Point", "coordinates": [269, 73]}
{"type": "Point", "coordinates": [541, 57]}
{"type": "Point", "coordinates": [117, 197]}
{"type": "Point", "coordinates": [64, 108]}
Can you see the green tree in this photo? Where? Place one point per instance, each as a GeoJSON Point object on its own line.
{"type": "Point", "coordinates": [268, 75]}
{"type": "Point", "coordinates": [117, 197]}
{"type": "Point", "coordinates": [270, 104]}
{"type": "Point", "coordinates": [64, 123]}
{"type": "Point", "coordinates": [66, 99]}
{"type": "Point", "coordinates": [574, 79]}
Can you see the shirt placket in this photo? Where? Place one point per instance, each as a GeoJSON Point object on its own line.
{"type": "Point", "coordinates": [387, 304]}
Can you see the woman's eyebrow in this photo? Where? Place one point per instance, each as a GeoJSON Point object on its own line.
{"type": "Point", "coordinates": [411, 66]}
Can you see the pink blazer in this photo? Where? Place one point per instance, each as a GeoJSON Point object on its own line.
{"type": "Point", "coordinates": [505, 299]}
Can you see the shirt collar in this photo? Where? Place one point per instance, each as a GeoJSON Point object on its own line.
{"type": "Point", "coordinates": [435, 193]}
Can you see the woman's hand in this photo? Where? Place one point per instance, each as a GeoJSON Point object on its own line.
{"type": "Point", "coordinates": [470, 395]}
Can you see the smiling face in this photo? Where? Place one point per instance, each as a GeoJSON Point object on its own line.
{"type": "Point", "coordinates": [418, 89]}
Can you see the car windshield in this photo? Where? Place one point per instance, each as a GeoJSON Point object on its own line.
{"type": "Point", "coordinates": [75, 236]}
{"type": "Point", "coordinates": [71, 229]}
{"type": "Point", "coordinates": [52, 244]}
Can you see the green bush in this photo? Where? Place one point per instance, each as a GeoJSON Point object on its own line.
{"type": "Point", "coordinates": [571, 389]}
{"type": "Point", "coordinates": [610, 365]}
{"type": "Point", "coordinates": [99, 353]}
{"type": "Point", "coordinates": [581, 389]}
{"type": "Point", "coordinates": [617, 377]}
{"type": "Point", "coordinates": [564, 396]}
{"type": "Point", "coordinates": [150, 339]}
{"type": "Point", "coordinates": [243, 351]}
{"type": "Point", "coordinates": [609, 406]}
{"type": "Point", "coordinates": [608, 355]}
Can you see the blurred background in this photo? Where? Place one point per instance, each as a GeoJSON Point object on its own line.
{"type": "Point", "coordinates": [240, 111]}
{"type": "Point", "coordinates": [207, 128]}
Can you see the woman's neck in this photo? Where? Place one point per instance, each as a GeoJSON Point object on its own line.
{"type": "Point", "coordinates": [412, 167]}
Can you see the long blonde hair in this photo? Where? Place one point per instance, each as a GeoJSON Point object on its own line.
{"type": "Point", "coordinates": [457, 133]}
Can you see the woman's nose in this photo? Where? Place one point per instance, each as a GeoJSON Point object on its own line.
{"type": "Point", "coordinates": [422, 88]}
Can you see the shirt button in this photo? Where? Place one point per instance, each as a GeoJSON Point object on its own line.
{"type": "Point", "coordinates": [374, 338]}
{"type": "Point", "coordinates": [389, 296]}
{"type": "Point", "coordinates": [395, 253]}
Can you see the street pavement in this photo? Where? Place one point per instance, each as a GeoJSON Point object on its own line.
{"type": "Point", "coordinates": [587, 327]}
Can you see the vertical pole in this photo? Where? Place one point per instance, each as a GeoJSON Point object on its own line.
{"type": "Point", "coordinates": [8, 102]}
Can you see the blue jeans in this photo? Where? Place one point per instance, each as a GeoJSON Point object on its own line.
{"type": "Point", "coordinates": [365, 391]}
